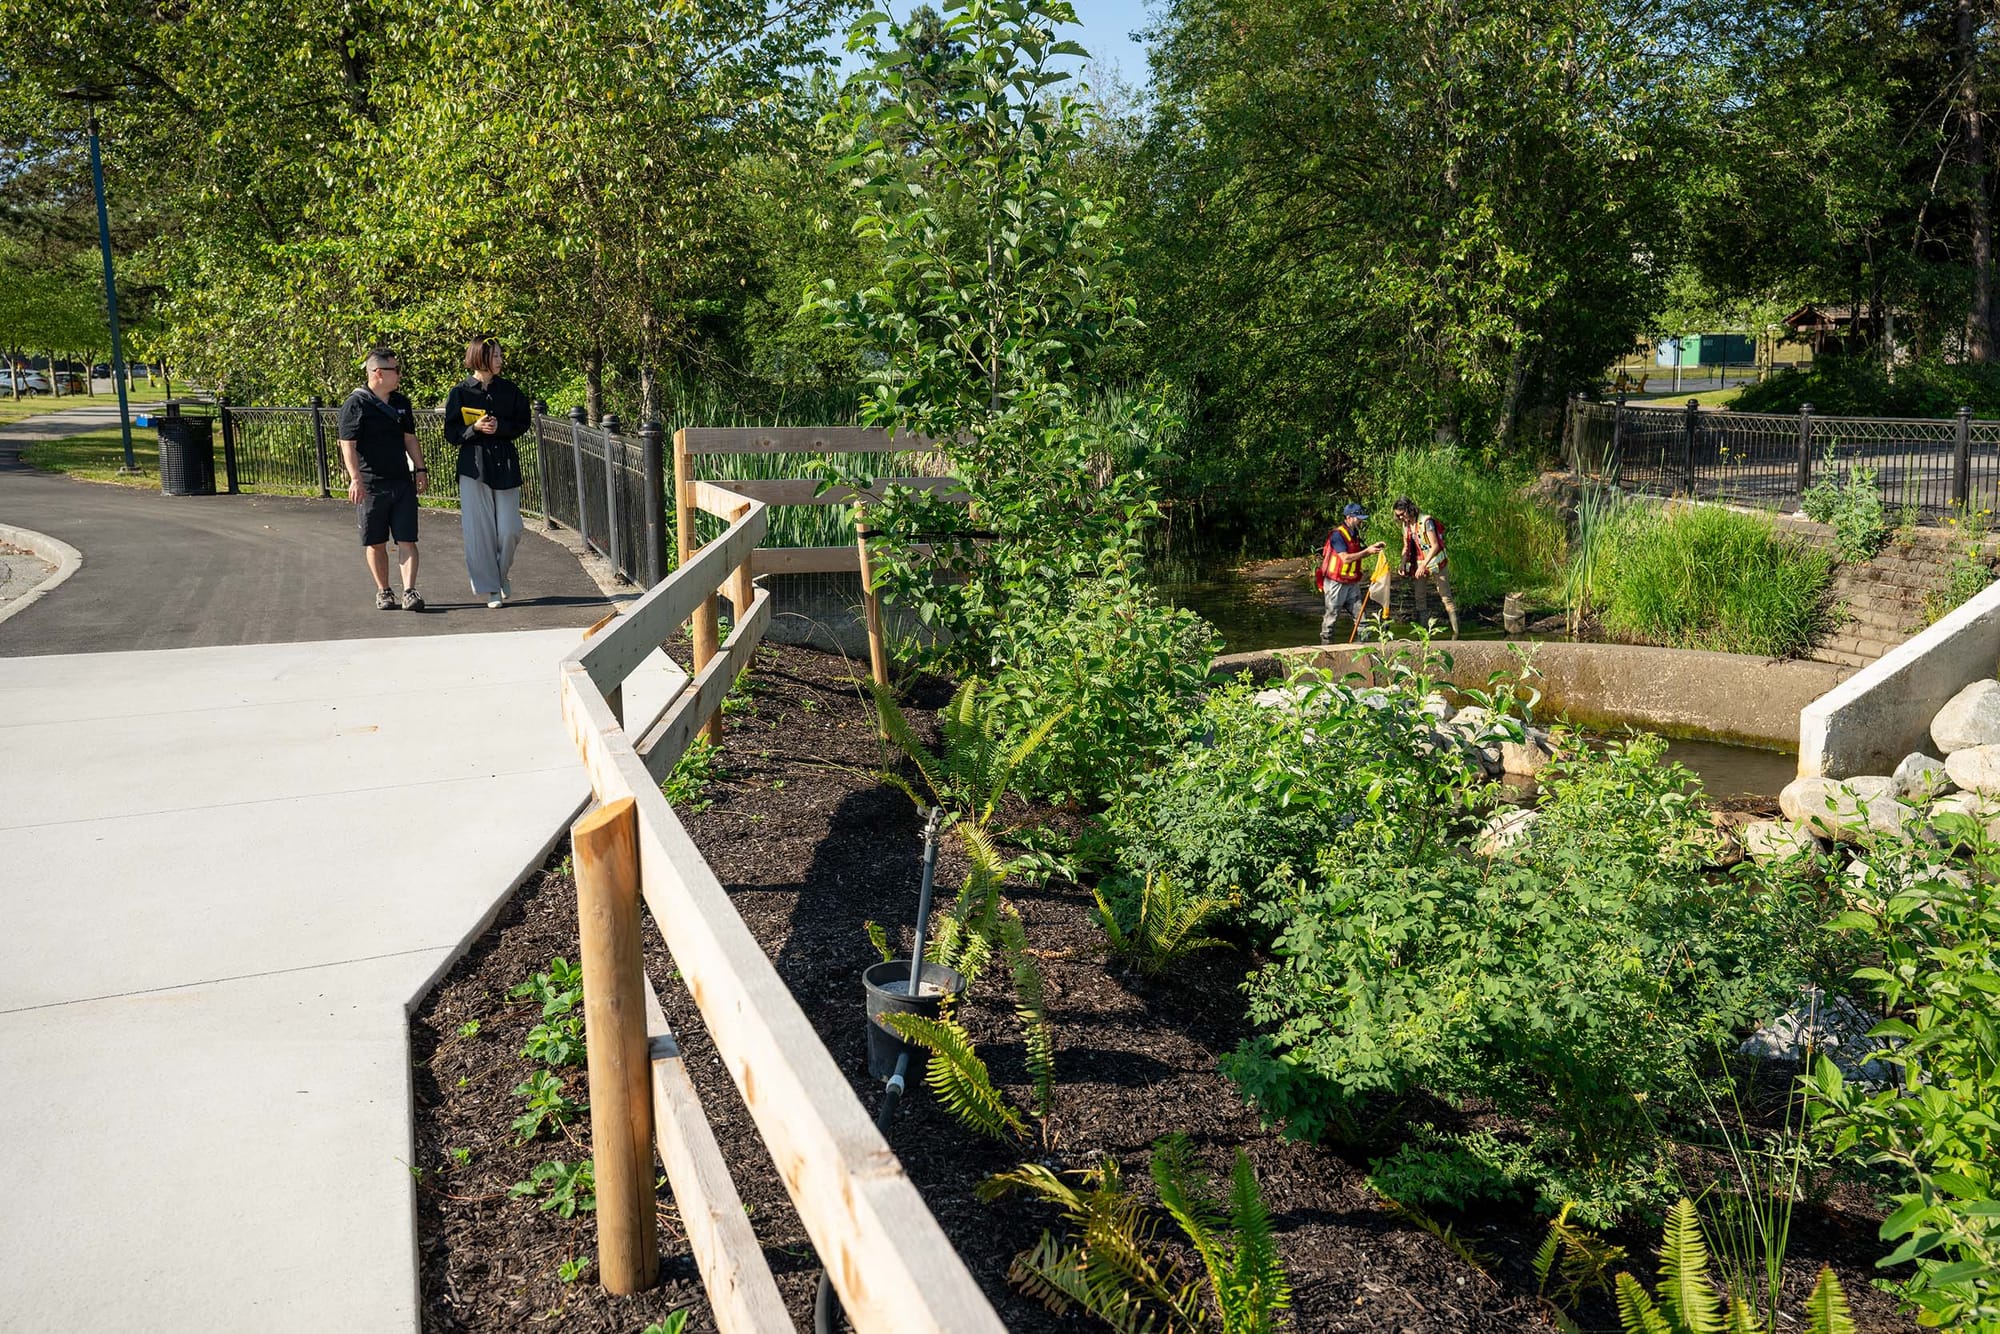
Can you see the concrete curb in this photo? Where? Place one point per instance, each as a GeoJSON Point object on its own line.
{"type": "Point", "coordinates": [1685, 693]}
{"type": "Point", "coordinates": [66, 558]}
{"type": "Point", "coordinates": [1884, 711]}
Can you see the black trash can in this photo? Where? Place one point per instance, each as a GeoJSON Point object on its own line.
{"type": "Point", "coordinates": [187, 452]}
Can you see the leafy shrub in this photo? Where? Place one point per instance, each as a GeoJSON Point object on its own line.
{"type": "Point", "coordinates": [1967, 576]}
{"type": "Point", "coordinates": [1275, 783]}
{"type": "Point", "coordinates": [1564, 984]}
{"type": "Point", "coordinates": [1500, 540]}
{"type": "Point", "coordinates": [1938, 933]}
{"type": "Point", "coordinates": [1699, 576]}
{"type": "Point", "coordinates": [1686, 1301]}
{"type": "Point", "coordinates": [1859, 387]}
{"type": "Point", "coordinates": [1116, 1269]}
{"type": "Point", "coordinates": [1852, 508]}
{"type": "Point", "coordinates": [686, 784]}
{"type": "Point", "coordinates": [1117, 670]}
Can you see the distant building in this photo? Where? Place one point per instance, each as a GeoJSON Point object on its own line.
{"type": "Point", "coordinates": [1832, 329]}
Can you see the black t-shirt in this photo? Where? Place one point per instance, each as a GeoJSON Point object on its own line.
{"type": "Point", "coordinates": [377, 430]}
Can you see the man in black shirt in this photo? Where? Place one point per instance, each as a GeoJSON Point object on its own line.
{"type": "Point", "coordinates": [385, 470]}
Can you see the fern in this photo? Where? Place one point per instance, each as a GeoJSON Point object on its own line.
{"type": "Point", "coordinates": [1030, 1008]}
{"type": "Point", "coordinates": [1636, 1310]}
{"type": "Point", "coordinates": [975, 769]}
{"type": "Point", "coordinates": [958, 1077]}
{"type": "Point", "coordinates": [1116, 1268]}
{"type": "Point", "coordinates": [1059, 1276]}
{"type": "Point", "coordinates": [1687, 1294]}
{"type": "Point", "coordinates": [1576, 1257]}
{"type": "Point", "coordinates": [880, 940]}
{"type": "Point", "coordinates": [1256, 1288]}
{"type": "Point", "coordinates": [1826, 1309]}
{"type": "Point", "coordinates": [1165, 927]}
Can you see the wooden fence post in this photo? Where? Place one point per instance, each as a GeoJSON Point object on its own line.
{"type": "Point", "coordinates": [871, 603]}
{"type": "Point", "coordinates": [707, 636]}
{"type": "Point", "coordinates": [606, 845]}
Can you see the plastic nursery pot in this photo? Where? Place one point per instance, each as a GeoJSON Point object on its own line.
{"type": "Point", "coordinates": [887, 984]}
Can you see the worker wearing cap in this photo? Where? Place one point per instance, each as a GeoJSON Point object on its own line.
{"type": "Point", "coordinates": [1339, 576]}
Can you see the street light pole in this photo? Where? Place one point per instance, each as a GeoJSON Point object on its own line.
{"type": "Point", "coordinates": [110, 293]}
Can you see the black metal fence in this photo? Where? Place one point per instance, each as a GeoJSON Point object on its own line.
{"type": "Point", "coordinates": [1769, 460]}
{"type": "Point", "coordinates": [608, 487]}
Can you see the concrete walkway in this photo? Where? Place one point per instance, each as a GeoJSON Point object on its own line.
{"type": "Point", "coordinates": [227, 870]}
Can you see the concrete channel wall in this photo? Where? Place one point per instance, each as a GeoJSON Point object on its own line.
{"type": "Point", "coordinates": [1675, 692]}
{"type": "Point", "coordinates": [1873, 719]}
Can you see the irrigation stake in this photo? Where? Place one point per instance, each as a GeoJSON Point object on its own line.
{"type": "Point", "coordinates": [606, 844]}
{"type": "Point", "coordinates": [931, 820]}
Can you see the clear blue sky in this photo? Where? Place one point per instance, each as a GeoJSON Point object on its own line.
{"type": "Point", "coordinates": [1105, 27]}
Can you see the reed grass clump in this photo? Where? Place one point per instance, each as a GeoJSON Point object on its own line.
{"type": "Point", "coordinates": [1501, 541]}
{"type": "Point", "coordinates": [1697, 576]}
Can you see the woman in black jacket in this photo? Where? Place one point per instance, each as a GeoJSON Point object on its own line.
{"type": "Point", "coordinates": [483, 415]}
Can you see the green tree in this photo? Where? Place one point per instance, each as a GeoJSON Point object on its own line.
{"type": "Point", "coordinates": [996, 298]}
{"type": "Point", "coordinates": [1377, 222]}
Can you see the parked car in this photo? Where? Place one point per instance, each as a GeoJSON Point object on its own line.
{"type": "Point", "coordinates": [71, 382]}
{"type": "Point", "coordinates": [32, 382]}
{"type": "Point", "coordinates": [101, 371]}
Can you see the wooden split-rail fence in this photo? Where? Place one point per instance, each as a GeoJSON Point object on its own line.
{"type": "Point", "coordinates": [888, 1259]}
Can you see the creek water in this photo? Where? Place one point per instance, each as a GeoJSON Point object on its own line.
{"type": "Point", "coordinates": [1249, 624]}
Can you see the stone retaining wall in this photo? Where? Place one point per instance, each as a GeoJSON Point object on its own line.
{"type": "Point", "coordinates": [1883, 599]}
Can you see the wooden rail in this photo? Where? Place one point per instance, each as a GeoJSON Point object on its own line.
{"type": "Point", "coordinates": [890, 1262]}
{"type": "Point", "coordinates": [694, 494]}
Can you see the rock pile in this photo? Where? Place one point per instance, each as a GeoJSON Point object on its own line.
{"type": "Point", "coordinates": [1913, 802]}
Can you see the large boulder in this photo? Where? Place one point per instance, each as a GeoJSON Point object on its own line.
{"type": "Point", "coordinates": [1834, 1027]}
{"type": "Point", "coordinates": [1524, 758]}
{"type": "Point", "coordinates": [1857, 810]}
{"type": "Point", "coordinates": [1971, 719]}
{"type": "Point", "coordinates": [1921, 777]}
{"type": "Point", "coordinates": [1984, 811]}
{"type": "Point", "coordinates": [1976, 769]}
{"type": "Point", "coordinates": [1777, 840]}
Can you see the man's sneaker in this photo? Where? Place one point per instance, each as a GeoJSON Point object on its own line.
{"type": "Point", "coordinates": [384, 600]}
{"type": "Point", "coordinates": [412, 600]}
{"type": "Point", "coordinates": [493, 600]}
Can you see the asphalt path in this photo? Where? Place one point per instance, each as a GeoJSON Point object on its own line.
{"type": "Point", "coordinates": [168, 572]}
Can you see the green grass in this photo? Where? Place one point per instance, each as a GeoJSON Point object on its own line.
{"type": "Point", "coordinates": [98, 456]}
{"type": "Point", "coordinates": [1499, 541]}
{"type": "Point", "coordinates": [35, 405]}
{"type": "Point", "coordinates": [1706, 578]}
{"type": "Point", "coordinates": [1708, 398]}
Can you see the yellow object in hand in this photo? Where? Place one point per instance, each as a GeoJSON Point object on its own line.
{"type": "Point", "coordinates": [472, 415]}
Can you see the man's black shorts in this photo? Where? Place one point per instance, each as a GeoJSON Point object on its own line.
{"type": "Point", "coordinates": [388, 511]}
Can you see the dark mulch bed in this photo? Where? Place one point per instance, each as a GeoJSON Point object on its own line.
{"type": "Point", "coordinates": [811, 847]}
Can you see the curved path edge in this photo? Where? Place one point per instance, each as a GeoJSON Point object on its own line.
{"type": "Point", "coordinates": [66, 558]}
